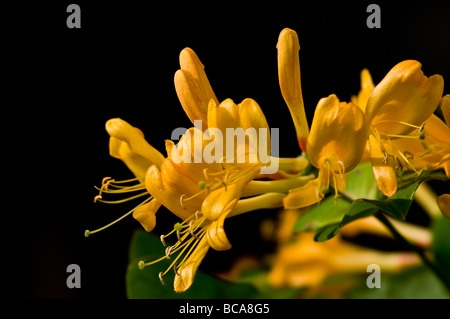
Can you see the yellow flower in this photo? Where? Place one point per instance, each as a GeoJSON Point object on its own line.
{"type": "Point", "coordinates": [335, 146]}
{"type": "Point", "coordinates": [404, 99]}
{"type": "Point", "coordinates": [203, 193]}
{"type": "Point", "coordinates": [397, 106]}
{"type": "Point", "coordinates": [290, 82]}
{"type": "Point", "coordinates": [306, 263]}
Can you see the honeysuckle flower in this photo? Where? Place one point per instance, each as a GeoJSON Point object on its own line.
{"type": "Point", "coordinates": [303, 262]}
{"type": "Point", "coordinates": [335, 145]}
{"type": "Point", "coordinates": [203, 194]}
{"type": "Point", "coordinates": [397, 106]}
{"type": "Point", "coordinates": [290, 83]}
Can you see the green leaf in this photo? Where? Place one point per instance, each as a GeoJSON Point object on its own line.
{"type": "Point", "coordinates": [145, 284]}
{"type": "Point", "coordinates": [441, 244]}
{"type": "Point", "coordinates": [397, 206]}
{"type": "Point", "coordinates": [415, 283]}
{"type": "Point", "coordinates": [326, 213]}
{"type": "Point", "coordinates": [361, 182]}
{"type": "Point", "coordinates": [358, 209]}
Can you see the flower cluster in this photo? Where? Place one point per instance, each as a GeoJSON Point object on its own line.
{"type": "Point", "coordinates": [392, 125]}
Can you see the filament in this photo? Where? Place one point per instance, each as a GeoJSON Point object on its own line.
{"type": "Point", "coordinates": [87, 233]}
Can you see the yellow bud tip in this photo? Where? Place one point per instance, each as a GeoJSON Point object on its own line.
{"type": "Point", "coordinates": [141, 265]}
{"type": "Point", "coordinates": [87, 233]}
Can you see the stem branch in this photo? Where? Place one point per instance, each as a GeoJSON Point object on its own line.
{"type": "Point", "coordinates": [438, 272]}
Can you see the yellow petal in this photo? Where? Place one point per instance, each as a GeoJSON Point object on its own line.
{"type": "Point", "coordinates": [170, 187]}
{"type": "Point", "coordinates": [335, 126]}
{"type": "Point", "coordinates": [193, 88]}
{"type": "Point", "coordinates": [404, 95]}
{"type": "Point", "coordinates": [189, 61]}
{"type": "Point", "coordinates": [290, 83]}
{"type": "Point", "coordinates": [367, 87]}
{"type": "Point", "coordinates": [217, 202]}
{"type": "Point", "coordinates": [216, 235]}
{"type": "Point", "coordinates": [186, 273]}
{"type": "Point", "coordinates": [445, 107]}
{"type": "Point", "coordinates": [383, 168]}
{"type": "Point", "coordinates": [443, 202]}
{"type": "Point", "coordinates": [192, 99]}
{"type": "Point", "coordinates": [128, 144]}
{"type": "Point", "coordinates": [145, 214]}
{"type": "Point", "coordinates": [303, 196]}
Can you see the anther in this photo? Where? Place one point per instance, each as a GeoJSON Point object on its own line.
{"type": "Point", "coordinates": [181, 200]}
{"type": "Point", "coordinates": [408, 155]}
{"type": "Point", "coordinates": [161, 278]}
{"type": "Point", "coordinates": [96, 198]}
{"type": "Point", "coordinates": [162, 240]}
{"type": "Point", "coordinates": [168, 250]}
{"type": "Point", "coordinates": [87, 233]}
{"type": "Point", "coordinates": [175, 269]}
{"type": "Point", "coordinates": [141, 265]}
{"type": "Point", "coordinates": [191, 230]}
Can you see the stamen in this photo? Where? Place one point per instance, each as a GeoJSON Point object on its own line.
{"type": "Point", "coordinates": [87, 233]}
{"type": "Point", "coordinates": [99, 198]}
{"type": "Point", "coordinates": [168, 250]}
{"type": "Point", "coordinates": [162, 240]}
{"type": "Point", "coordinates": [141, 265]}
{"type": "Point", "coordinates": [222, 182]}
{"type": "Point", "coordinates": [96, 198]}
{"type": "Point", "coordinates": [161, 278]}
{"type": "Point", "coordinates": [175, 269]}
{"type": "Point", "coordinates": [181, 201]}
{"type": "Point", "coordinates": [191, 230]}
{"type": "Point", "coordinates": [408, 155]}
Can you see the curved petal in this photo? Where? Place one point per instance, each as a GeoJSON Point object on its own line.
{"type": "Point", "coordinates": [404, 95]}
{"type": "Point", "coordinates": [128, 144]}
{"type": "Point", "coordinates": [383, 168]}
{"type": "Point", "coordinates": [193, 88]}
{"type": "Point", "coordinates": [445, 107]}
{"type": "Point", "coordinates": [216, 235]}
{"type": "Point", "coordinates": [145, 214]}
{"type": "Point", "coordinates": [217, 202]}
{"type": "Point", "coordinates": [303, 196]}
{"type": "Point", "coordinates": [367, 87]}
{"type": "Point", "coordinates": [186, 273]}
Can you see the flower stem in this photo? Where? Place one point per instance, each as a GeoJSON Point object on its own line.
{"type": "Point", "coordinates": [437, 271]}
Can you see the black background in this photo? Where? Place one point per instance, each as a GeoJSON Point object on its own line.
{"type": "Point", "coordinates": [121, 64]}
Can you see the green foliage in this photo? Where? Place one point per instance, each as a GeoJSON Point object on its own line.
{"type": "Point", "coordinates": [145, 284]}
{"type": "Point", "coordinates": [415, 283]}
{"type": "Point", "coordinates": [361, 199]}
{"type": "Point", "coordinates": [441, 245]}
